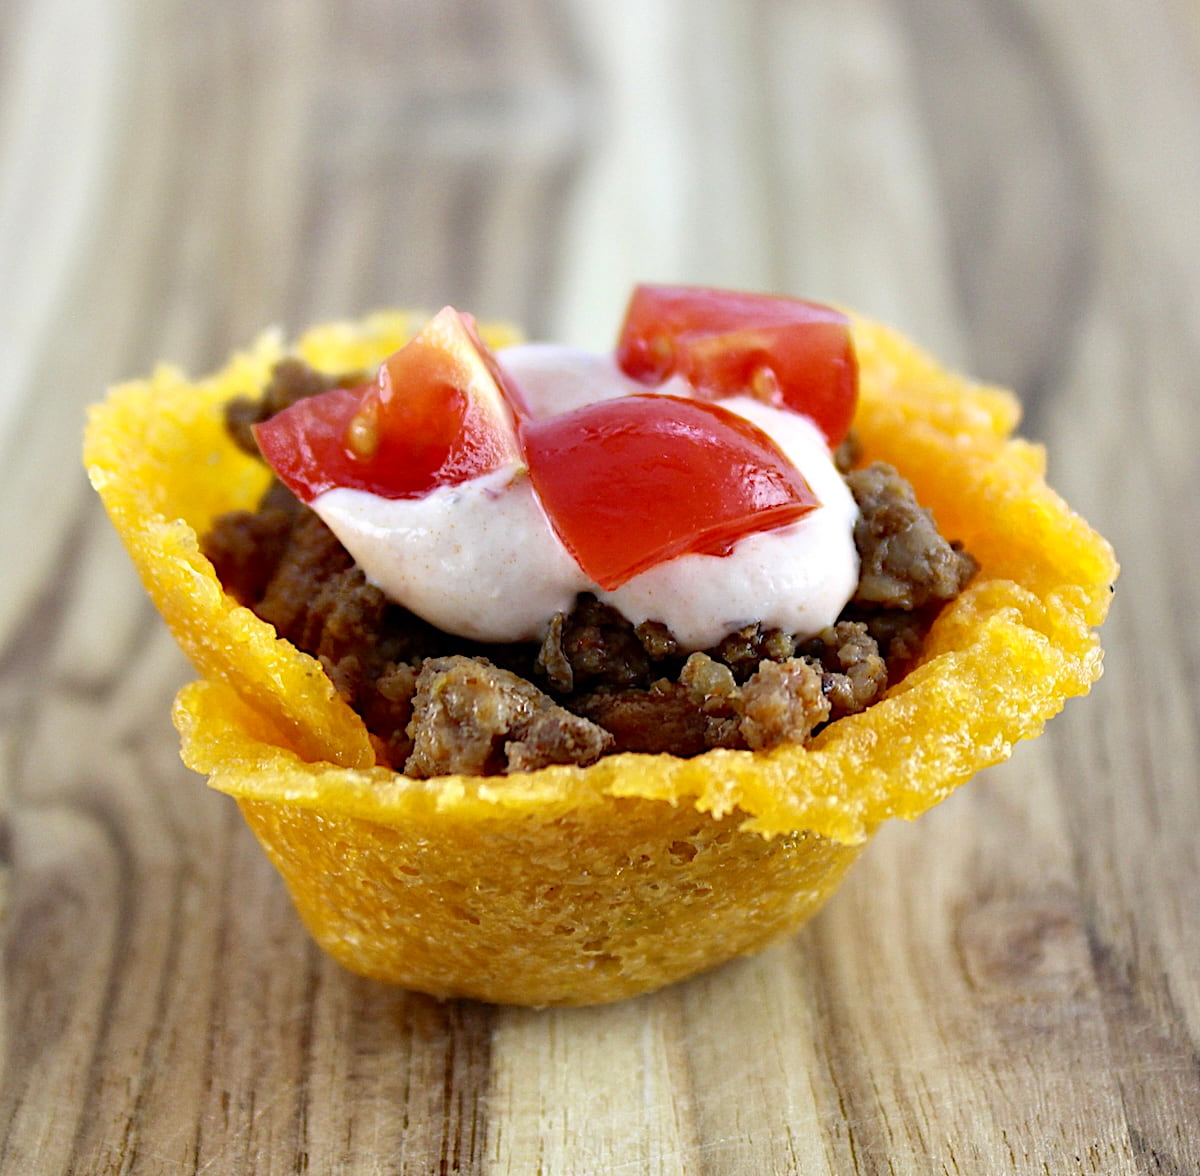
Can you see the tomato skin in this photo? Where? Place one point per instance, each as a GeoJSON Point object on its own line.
{"type": "Point", "coordinates": [633, 482]}
{"type": "Point", "coordinates": [785, 351]}
{"type": "Point", "coordinates": [434, 416]}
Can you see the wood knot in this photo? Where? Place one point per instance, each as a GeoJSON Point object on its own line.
{"type": "Point", "coordinates": [1031, 949]}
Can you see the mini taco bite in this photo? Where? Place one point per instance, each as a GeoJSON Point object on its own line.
{"type": "Point", "coordinates": [603, 797]}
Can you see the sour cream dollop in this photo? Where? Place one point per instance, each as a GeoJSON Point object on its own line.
{"type": "Point", "coordinates": [480, 559]}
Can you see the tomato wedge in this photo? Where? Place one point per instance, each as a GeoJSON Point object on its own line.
{"type": "Point", "coordinates": [436, 415]}
{"type": "Point", "coordinates": [785, 351]}
{"type": "Point", "coordinates": [633, 482]}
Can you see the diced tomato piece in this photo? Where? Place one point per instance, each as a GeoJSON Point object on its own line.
{"type": "Point", "coordinates": [305, 444]}
{"type": "Point", "coordinates": [633, 482]}
{"type": "Point", "coordinates": [513, 395]}
{"type": "Point", "coordinates": [785, 351]}
{"type": "Point", "coordinates": [434, 416]}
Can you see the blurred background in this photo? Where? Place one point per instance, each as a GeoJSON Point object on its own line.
{"type": "Point", "coordinates": [195, 174]}
{"type": "Point", "coordinates": [1014, 184]}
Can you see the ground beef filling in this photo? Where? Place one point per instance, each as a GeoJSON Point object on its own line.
{"type": "Point", "coordinates": [439, 704]}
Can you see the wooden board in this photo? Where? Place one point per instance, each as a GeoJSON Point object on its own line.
{"type": "Point", "coordinates": [1011, 984]}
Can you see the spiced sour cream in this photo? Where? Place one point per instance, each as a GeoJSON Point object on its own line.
{"type": "Point", "coordinates": [481, 560]}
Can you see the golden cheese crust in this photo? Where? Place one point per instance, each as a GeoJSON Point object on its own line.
{"type": "Point", "coordinates": [571, 885]}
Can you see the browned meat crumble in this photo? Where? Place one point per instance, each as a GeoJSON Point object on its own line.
{"type": "Point", "coordinates": [476, 719]}
{"type": "Point", "coordinates": [906, 564]}
{"type": "Point", "coordinates": [440, 704]}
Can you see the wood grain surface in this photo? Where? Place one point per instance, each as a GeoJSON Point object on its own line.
{"type": "Point", "coordinates": [1010, 985]}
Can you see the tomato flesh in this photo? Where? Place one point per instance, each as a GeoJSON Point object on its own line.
{"type": "Point", "coordinates": [633, 482]}
{"type": "Point", "coordinates": [434, 416]}
{"type": "Point", "coordinates": [787, 352]}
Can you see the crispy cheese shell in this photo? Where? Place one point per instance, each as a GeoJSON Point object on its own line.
{"type": "Point", "coordinates": [571, 885]}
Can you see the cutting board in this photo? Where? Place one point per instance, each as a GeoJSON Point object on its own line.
{"type": "Point", "coordinates": [1009, 985]}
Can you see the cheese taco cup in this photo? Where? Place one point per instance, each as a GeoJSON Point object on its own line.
{"type": "Point", "coordinates": [569, 884]}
